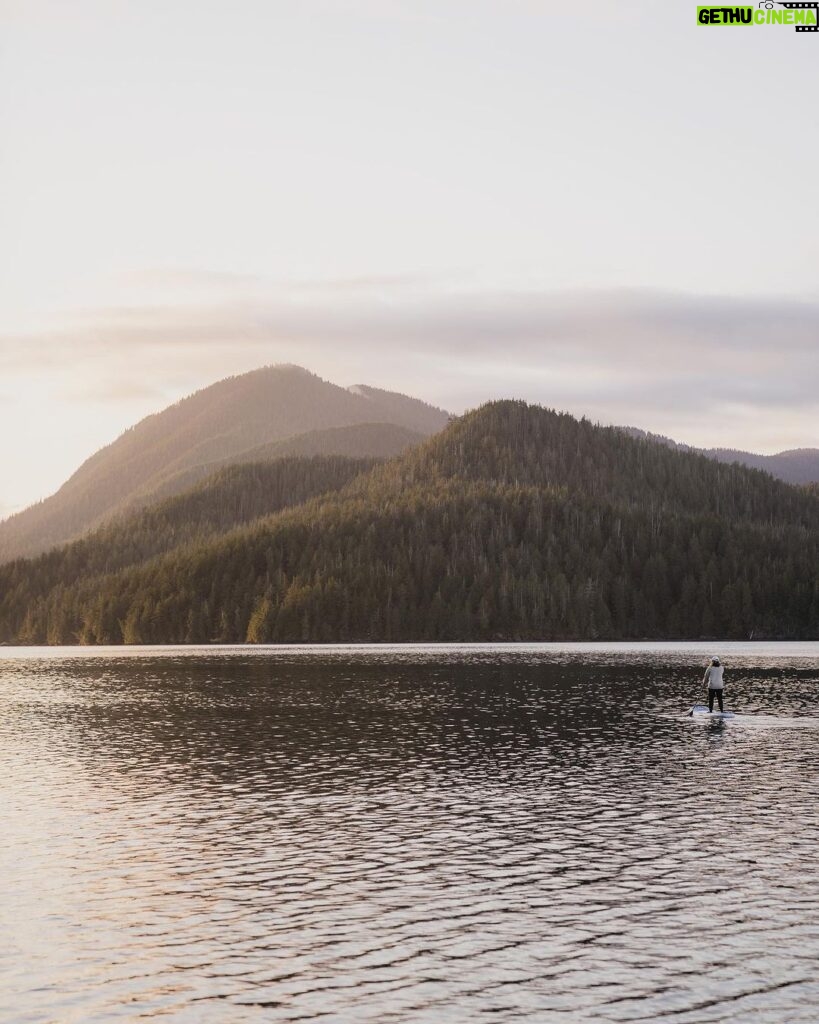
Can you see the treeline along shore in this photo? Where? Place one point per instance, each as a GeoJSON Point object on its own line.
{"type": "Point", "coordinates": [513, 523]}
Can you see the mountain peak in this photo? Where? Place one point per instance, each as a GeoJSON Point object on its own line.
{"type": "Point", "coordinates": [218, 424]}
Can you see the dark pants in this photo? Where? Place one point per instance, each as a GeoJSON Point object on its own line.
{"type": "Point", "coordinates": [711, 695]}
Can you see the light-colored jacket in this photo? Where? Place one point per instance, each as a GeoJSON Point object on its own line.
{"type": "Point", "coordinates": [713, 677]}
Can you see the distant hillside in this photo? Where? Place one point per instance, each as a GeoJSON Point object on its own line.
{"type": "Point", "coordinates": [167, 452]}
{"type": "Point", "coordinates": [798, 466]}
{"type": "Point", "coordinates": [231, 497]}
{"type": "Point", "coordinates": [514, 523]}
{"type": "Point", "coordinates": [361, 441]}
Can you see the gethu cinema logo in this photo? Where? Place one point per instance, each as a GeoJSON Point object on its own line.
{"type": "Point", "coordinates": [804, 16]}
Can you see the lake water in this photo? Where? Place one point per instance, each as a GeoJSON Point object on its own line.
{"type": "Point", "coordinates": [430, 834]}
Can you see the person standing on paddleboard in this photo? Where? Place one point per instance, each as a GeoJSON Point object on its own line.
{"type": "Point", "coordinates": [713, 680]}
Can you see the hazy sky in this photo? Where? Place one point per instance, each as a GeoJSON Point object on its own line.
{"type": "Point", "coordinates": [596, 205]}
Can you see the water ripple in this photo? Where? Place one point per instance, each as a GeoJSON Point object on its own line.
{"type": "Point", "coordinates": [523, 834]}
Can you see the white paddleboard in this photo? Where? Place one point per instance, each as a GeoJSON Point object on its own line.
{"type": "Point", "coordinates": [701, 711]}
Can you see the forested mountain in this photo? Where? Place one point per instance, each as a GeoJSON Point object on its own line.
{"type": "Point", "coordinates": [230, 497]}
{"type": "Point", "coordinates": [360, 441]}
{"type": "Point", "coordinates": [513, 523]}
{"type": "Point", "coordinates": [166, 453]}
{"type": "Point", "coordinates": [797, 466]}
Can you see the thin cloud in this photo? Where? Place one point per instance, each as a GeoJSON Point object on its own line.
{"type": "Point", "coordinates": [627, 356]}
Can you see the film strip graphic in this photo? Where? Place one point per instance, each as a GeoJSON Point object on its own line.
{"type": "Point", "coordinates": [803, 7]}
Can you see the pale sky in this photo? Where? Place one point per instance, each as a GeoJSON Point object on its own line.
{"type": "Point", "coordinates": [599, 206]}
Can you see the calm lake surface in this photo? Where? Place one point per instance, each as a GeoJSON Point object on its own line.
{"type": "Point", "coordinates": [510, 833]}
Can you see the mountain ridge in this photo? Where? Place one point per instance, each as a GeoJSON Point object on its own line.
{"type": "Point", "coordinates": [266, 414]}
{"type": "Point", "coordinates": [514, 523]}
{"type": "Point", "coordinates": [794, 465]}
{"type": "Point", "coordinates": [219, 423]}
